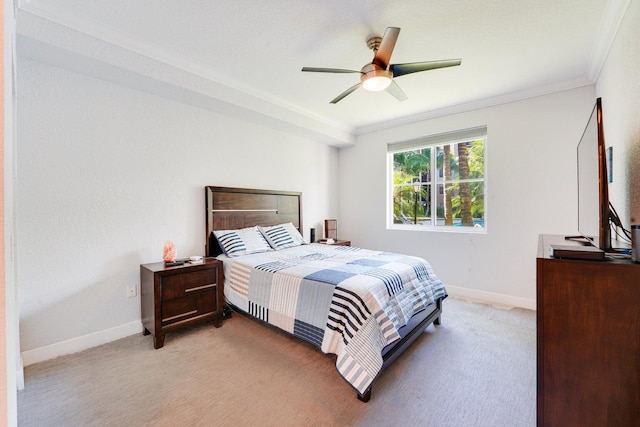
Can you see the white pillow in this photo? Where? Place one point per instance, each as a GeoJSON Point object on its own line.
{"type": "Point", "coordinates": [282, 236]}
{"type": "Point", "coordinates": [241, 242]}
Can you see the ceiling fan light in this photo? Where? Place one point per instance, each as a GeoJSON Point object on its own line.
{"type": "Point", "coordinates": [376, 83]}
{"type": "Point", "coordinates": [375, 79]}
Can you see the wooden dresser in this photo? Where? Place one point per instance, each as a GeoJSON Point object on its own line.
{"type": "Point", "coordinates": [180, 296]}
{"type": "Point", "coordinates": [588, 340]}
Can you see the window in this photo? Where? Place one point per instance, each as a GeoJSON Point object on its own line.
{"type": "Point", "coordinates": [438, 182]}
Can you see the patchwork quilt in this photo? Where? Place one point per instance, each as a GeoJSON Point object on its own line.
{"type": "Point", "coordinates": [345, 300]}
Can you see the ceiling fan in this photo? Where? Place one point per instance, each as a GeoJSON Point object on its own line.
{"type": "Point", "coordinates": [379, 74]}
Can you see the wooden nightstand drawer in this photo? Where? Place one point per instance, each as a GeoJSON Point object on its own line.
{"type": "Point", "coordinates": [179, 309]}
{"type": "Point", "coordinates": [175, 297]}
{"type": "Point", "coordinates": [181, 285]}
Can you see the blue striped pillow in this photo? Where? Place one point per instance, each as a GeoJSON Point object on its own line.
{"type": "Point", "coordinates": [242, 242]}
{"type": "Point", "coordinates": [282, 236]}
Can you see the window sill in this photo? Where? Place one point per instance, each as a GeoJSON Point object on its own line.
{"type": "Point", "coordinates": [438, 229]}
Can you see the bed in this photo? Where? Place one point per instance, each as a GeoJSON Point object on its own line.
{"type": "Point", "coordinates": [364, 306]}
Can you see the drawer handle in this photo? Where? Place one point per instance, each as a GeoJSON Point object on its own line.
{"type": "Point", "coordinates": [200, 288]}
{"type": "Point", "coordinates": [180, 315]}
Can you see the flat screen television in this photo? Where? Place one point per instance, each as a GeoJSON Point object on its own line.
{"type": "Point", "coordinates": [595, 213]}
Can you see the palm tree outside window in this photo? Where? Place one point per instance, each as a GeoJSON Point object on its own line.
{"type": "Point", "coordinates": [446, 172]}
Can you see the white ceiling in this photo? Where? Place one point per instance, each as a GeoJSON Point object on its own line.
{"type": "Point", "coordinates": [510, 49]}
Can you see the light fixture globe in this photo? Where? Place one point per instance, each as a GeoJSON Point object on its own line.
{"type": "Point", "coordinates": [375, 78]}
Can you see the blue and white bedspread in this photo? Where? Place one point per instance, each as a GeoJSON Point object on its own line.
{"type": "Point", "coordinates": [345, 300]}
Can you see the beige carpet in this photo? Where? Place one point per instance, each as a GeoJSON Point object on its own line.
{"type": "Point", "coordinates": [476, 369]}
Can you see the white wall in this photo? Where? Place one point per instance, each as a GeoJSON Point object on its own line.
{"type": "Point", "coordinates": [106, 174]}
{"type": "Point", "coordinates": [531, 180]}
{"type": "Point", "coordinates": [619, 87]}
{"type": "Point", "coordinates": [12, 374]}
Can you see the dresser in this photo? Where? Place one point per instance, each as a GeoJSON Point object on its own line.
{"type": "Point", "coordinates": [588, 340]}
{"type": "Point", "coordinates": [175, 297]}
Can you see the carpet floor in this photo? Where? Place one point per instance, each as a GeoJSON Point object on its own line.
{"type": "Point", "coordinates": [477, 369]}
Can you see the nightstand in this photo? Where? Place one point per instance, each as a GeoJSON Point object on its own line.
{"type": "Point", "coordinates": [336, 243]}
{"type": "Point", "coordinates": [176, 297]}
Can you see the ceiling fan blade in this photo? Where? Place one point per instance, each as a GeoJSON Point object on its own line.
{"type": "Point", "coordinates": [383, 54]}
{"type": "Point", "coordinates": [415, 67]}
{"type": "Point", "coordinates": [345, 93]}
{"type": "Point", "coordinates": [328, 70]}
{"type": "Point", "coordinates": [395, 90]}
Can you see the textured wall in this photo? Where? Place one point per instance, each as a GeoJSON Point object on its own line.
{"type": "Point", "coordinates": [619, 87]}
{"type": "Point", "coordinates": [531, 185]}
{"type": "Point", "coordinates": [633, 167]}
{"type": "Point", "coordinates": [3, 316]}
{"type": "Point", "coordinates": [106, 174]}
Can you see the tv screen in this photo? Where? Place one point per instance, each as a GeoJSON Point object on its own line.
{"type": "Point", "coordinates": [588, 187]}
{"type": "Point", "coordinates": [593, 195]}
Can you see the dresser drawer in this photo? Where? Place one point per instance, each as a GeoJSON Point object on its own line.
{"type": "Point", "coordinates": [181, 285]}
{"type": "Point", "coordinates": [179, 309]}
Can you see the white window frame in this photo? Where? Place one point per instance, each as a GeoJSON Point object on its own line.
{"type": "Point", "coordinates": [433, 141]}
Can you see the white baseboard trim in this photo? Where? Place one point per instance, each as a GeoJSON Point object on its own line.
{"type": "Point", "coordinates": [20, 375]}
{"type": "Point", "coordinates": [501, 300]}
{"type": "Point", "coordinates": [74, 345]}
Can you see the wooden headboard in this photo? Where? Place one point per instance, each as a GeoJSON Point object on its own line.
{"type": "Point", "coordinates": [229, 208]}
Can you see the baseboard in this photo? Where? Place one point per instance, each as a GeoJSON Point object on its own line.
{"type": "Point", "coordinates": [491, 298]}
{"type": "Point", "coordinates": [20, 375]}
{"type": "Point", "coordinates": [74, 345]}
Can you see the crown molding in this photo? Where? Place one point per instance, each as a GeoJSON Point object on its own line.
{"type": "Point", "coordinates": [605, 36]}
{"type": "Point", "coordinates": [475, 105]}
{"type": "Point", "coordinates": [94, 30]}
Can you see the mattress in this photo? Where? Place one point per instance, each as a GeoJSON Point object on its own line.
{"type": "Point", "coordinates": [345, 300]}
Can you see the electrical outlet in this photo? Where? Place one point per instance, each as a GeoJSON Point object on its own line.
{"type": "Point", "coordinates": [132, 291]}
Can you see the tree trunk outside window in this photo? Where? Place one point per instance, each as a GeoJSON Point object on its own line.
{"type": "Point", "coordinates": [465, 187]}
{"type": "Point", "coordinates": [446, 164]}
